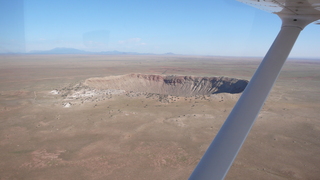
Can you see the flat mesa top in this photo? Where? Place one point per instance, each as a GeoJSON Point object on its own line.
{"type": "Point", "coordinates": [290, 7]}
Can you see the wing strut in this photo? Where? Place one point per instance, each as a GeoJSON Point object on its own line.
{"type": "Point", "coordinates": [221, 153]}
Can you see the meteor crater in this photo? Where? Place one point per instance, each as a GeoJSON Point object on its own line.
{"type": "Point", "coordinates": [170, 85]}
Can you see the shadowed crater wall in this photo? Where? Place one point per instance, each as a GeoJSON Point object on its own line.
{"type": "Point", "coordinates": [171, 85]}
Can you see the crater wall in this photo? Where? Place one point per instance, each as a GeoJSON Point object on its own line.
{"type": "Point", "coordinates": [171, 85]}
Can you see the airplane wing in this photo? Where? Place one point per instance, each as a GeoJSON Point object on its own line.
{"type": "Point", "coordinates": [295, 15]}
{"type": "Point", "coordinates": [298, 8]}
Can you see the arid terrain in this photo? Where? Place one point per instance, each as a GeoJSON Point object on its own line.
{"type": "Point", "coordinates": [140, 117]}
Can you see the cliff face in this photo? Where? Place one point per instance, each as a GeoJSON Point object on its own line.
{"type": "Point", "coordinates": [171, 85]}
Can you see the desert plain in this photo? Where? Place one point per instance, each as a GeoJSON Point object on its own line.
{"type": "Point", "coordinates": [50, 132]}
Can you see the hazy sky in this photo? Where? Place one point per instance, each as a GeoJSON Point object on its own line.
{"type": "Point", "coordinates": [203, 27]}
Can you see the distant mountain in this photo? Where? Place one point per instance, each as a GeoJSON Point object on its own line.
{"type": "Point", "coordinates": [169, 53]}
{"type": "Point", "coordinates": [117, 52]}
{"type": "Point", "coordinates": [77, 51]}
{"type": "Point", "coordinates": [60, 51]}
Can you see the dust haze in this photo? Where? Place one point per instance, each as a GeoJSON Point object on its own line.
{"type": "Point", "coordinates": [149, 117]}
